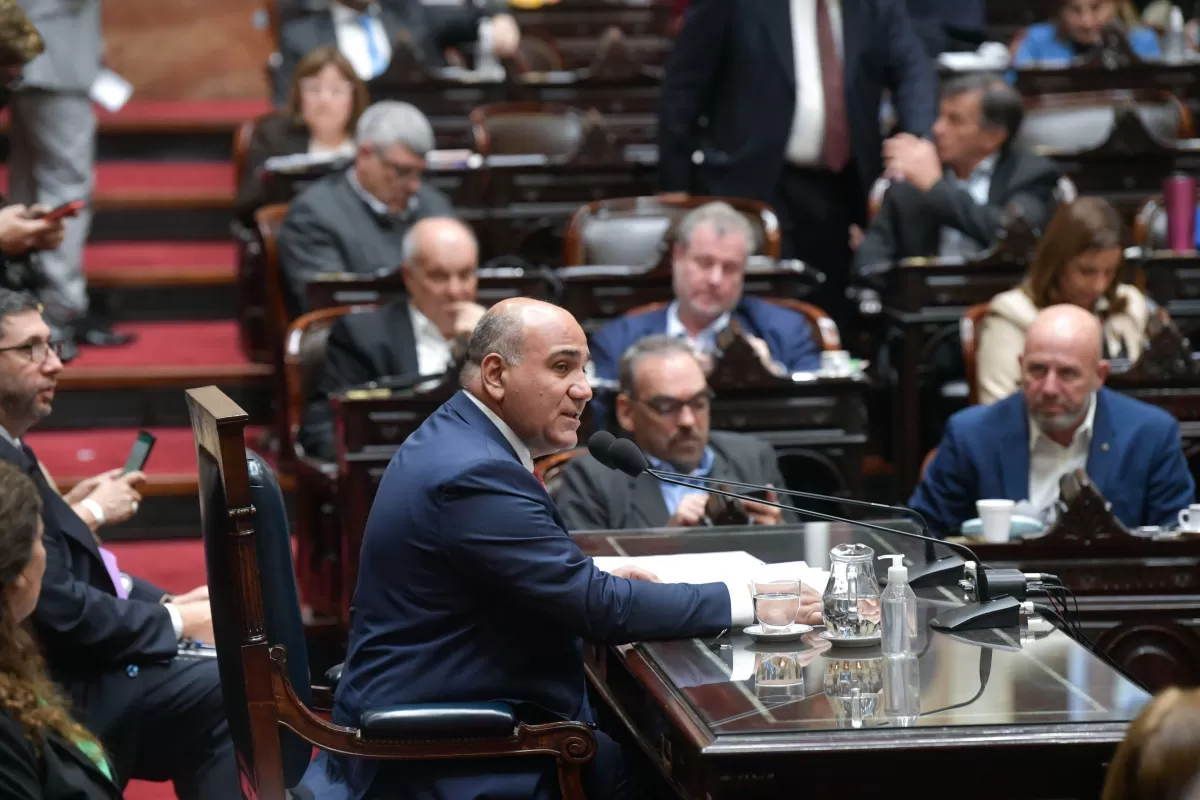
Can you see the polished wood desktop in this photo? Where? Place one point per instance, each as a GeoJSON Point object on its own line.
{"type": "Point", "coordinates": [1004, 714]}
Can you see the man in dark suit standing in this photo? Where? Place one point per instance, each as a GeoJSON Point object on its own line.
{"type": "Point", "coordinates": [708, 269]}
{"type": "Point", "coordinates": [111, 639]}
{"type": "Point", "coordinates": [665, 404]}
{"type": "Point", "coordinates": [948, 197]}
{"type": "Point", "coordinates": [365, 33]}
{"type": "Point", "coordinates": [779, 101]}
{"type": "Point", "coordinates": [355, 221]}
{"type": "Point", "coordinates": [470, 587]}
{"type": "Point", "coordinates": [415, 335]}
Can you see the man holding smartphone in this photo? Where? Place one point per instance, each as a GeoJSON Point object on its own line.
{"type": "Point", "coordinates": [111, 640]}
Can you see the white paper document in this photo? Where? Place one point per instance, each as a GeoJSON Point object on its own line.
{"type": "Point", "coordinates": [730, 567]}
{"type": "Point", "coordinates": [110, 91]}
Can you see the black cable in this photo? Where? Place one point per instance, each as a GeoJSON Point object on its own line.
{"type": "Point", "coordinates": [1054, 616]}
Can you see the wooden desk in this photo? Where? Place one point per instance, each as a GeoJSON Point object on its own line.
{"type": "Point", "coordinates": [1179, 79]}
{"type": "Point", "coordinates": [1040, 706]}
{"type": "Point", "coordinates": [328, 290]}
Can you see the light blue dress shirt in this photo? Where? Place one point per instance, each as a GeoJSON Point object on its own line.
{"type": "Point", "coordinates": [673, 495]}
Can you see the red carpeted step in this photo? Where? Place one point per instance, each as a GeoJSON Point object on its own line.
{"type": "Point", "coordinates": [152, 184]}
{"type": "Point", "coordinates": [160, 263]}
{"type": "Point", "coordinates": [70, 456]}
{"type": "Point", "coordinates": [184, 354]}
{"type": "Point", "coordinates": [175, 116]}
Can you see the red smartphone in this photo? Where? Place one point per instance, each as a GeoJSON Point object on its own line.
{"type": "Point", "coordinates": [62, 212]}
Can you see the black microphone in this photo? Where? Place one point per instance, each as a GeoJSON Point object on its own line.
{"type": "Point", "coordinates": [988, 612]}
{"type": "Point", "coordinates": [598, 446]}
{"type": "Point", "coordinates": [944, 571]}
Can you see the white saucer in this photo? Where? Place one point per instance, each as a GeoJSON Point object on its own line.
{"type": "Point", "coordinates": [797, 630]}
{"type": "Point", "coordinates": [854, 641]}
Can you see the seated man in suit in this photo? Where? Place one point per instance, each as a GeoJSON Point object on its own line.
{"type": "Point", "coordinates": [665, 403]}
{"type": "Point", "coordinates": [709, 256]}
{"type": "Point", "coordinates": [1063, 419]}
{"type": "Point", "coordinates": [111, 640]}
{"type": "Point", "coordinates": [470, 588]}
{"type": "Point", "coordinates": [411, 336]}
{"type": "Point", "coordinates": [364, 32]}
{"type": "Point", "coordinates": [949, 199]}
{"type": "Point", "coordinates": [355, 221]}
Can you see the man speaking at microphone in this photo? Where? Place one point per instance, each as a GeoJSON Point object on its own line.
{"type": "Point", "coordinates": [469, 588]}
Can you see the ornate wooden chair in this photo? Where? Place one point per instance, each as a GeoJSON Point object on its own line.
{"type": "Point", "coordinates": [968, 332]}
{"type": "Point", "coordinates": [527, 128]}
{"type": "Point", "coordinates": [634, 231]}
{"type": "Point", "coordinates": [261, 652]}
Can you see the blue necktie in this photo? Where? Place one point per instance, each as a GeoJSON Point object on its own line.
{"type": "Point", "coordinates": [377, 65]}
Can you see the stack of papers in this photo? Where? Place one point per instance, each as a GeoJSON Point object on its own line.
{"type": "Point", "coordinates": [728, 567]}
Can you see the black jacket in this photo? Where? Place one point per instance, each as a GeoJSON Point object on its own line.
{"type": "Point", "coordinates": [431, 30]}
{"type": "Point", "coordinates": [594, 497]}
{"type": "Point", "coordinates": [733, 68]}
{"type": "Point", "coordinates": [910, 221]}
{"type": "Point", "coordinates": [89, 635]}
{"type": "Point", "coordinates": [275, 135]}
{"type": "Point", "coordinates": [57, 771]}
{"type": "Point", "coordinates": [361, 347]}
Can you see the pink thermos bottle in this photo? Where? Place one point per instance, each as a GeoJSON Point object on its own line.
{"type": "Point", "coordinates": [1179, 199]}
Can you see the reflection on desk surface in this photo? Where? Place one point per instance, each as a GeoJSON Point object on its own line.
{"type": "Point", "coordinates": [991, 678]}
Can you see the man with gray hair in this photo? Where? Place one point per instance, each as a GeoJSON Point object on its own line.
{"type": "Point", "coordinates": [355, 221]}
{"type": "Point", "coordinates": [666, 405]}
{"type": "Point", "coordinates": [471, 590]}
{"type": "Point", "coordinates": [948, 197]}
{"type": "Point", "coordinates": [415, 335]}
{"type": "Point", "coordinates": [708, 263]}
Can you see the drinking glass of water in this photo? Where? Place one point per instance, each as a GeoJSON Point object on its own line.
{"type": "Point", "coordinates": [776, 603]}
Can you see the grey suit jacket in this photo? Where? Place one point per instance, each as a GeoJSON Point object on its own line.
{"type": "Point", "coordinates": [330, 228]}
{"type": "Point", "coordinates": [594, 497]}
{"type": "Point", "coordinates": [71, 31]}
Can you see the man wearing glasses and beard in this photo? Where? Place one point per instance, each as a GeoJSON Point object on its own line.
{"type": "Point", "coordinates": [665, 406]}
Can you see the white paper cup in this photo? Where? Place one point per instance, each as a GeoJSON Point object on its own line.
{"type": "Point", "coordinates": [996, 516]}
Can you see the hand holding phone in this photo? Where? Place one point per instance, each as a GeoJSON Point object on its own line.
{"type": "Point", "coordinates": [70, 209]}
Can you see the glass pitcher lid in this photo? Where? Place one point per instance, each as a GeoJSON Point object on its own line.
{"type": "Point", "coordinates": [852, 552]}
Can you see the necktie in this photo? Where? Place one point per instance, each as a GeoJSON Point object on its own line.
{"type": "Point", "coordinates": [107, 556]}
{"type": "Point", "coordinates": [837, 126]}
{"type": "Point", "coordinates": [373, 53]}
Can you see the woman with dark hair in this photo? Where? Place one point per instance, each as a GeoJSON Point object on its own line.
{"type": "Point", "coordinates": [1158, 760]}
{"type": "Point", "coordinates": [44, 753]}
{"type": "Point", "coordinates": [324, 104]}
{"type": "Point", "coordinates": [1078, 261]}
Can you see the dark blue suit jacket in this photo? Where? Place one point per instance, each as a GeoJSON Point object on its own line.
{"type": "Point", "coordinates": [1136, 461]}
{"type": "Point", "coordinates": [469, 589]}
{"type": "Point", "coordinates": [786, 332]}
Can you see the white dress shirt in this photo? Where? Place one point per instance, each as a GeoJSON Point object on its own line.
{"type": "Point", "coordinates": [741, 601]}
{"type": "Point", "coordinates": [434, 351]}
{"type": "Point", "coordinates": [1049, 461]}
{"type": "Point", "coordinates": [704, 342]}
{"type": "Point", "coordinates": [806, 143]}
{"type": "Point", "coordinates": [352, 40]}
{"type": "Point", "coordinates": [978, 184]}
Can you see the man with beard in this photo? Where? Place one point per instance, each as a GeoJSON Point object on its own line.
{"type": "Point", "coordinates": [708, 272]}
{"type": "Point", "coordinates": [1063, 419]}
{"type": "Point", "coordinates": [665, 404]}
{"type": "Point", "coordinates": [111, 639]}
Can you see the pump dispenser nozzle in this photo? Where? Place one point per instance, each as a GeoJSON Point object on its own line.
{"type": "Point", "coordinates": [897, 572]}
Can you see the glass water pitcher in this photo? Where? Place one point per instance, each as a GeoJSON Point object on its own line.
{"type": "Point", "coordinates": [850, 604]}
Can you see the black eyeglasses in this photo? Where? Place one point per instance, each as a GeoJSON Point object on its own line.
{"type": "Point", "coordinates": [401, 172]}
{"type": "Point", "coordinates": [37, 352]}
{"type": "Point", "coordinates": [670, 406]}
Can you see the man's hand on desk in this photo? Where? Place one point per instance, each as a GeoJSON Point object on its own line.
{"type": "Point", "coordinates": [636, 574]}
{"type": "Point", "coordinates": [506, 35]}
{"type": "Point", "coordinates": [913, 158]}
{"type": "Point", "coordinates": [690, 511]}
{"type": "Point", "coordinates": [466, 317]}
{"type": "Point", "coordinates": [810, 606]}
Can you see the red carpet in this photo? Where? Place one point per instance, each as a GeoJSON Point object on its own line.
{"type": "Point", "coordinates": [169, 344]}
{"type": "Point", "coordinates": [160, 259]}
{"type": "Point", "coordinates": [151, 180]}
{"type": "Point", "coordinates": [72, 455]}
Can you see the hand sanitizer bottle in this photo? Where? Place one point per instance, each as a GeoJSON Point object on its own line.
{"type": "Point", "coordinates": [899, 607]}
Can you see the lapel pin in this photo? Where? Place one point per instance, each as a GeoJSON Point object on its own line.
{"type": "Point", "coordinates": [1104, 446]}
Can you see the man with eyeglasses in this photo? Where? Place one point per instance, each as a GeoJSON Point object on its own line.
{"type": "Point", "coordinates": [665, 405]}
{"type": "Point", "coordinates": [111, 639]}
{"type": "Point", "coordinates": [355, 221]}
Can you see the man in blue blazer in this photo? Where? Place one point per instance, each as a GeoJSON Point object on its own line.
{"type": "Point", "coordinates": [1019, 448]}
{"type": "Point", "coordinates": [469, 588]}
{"type": "Point", "coordinates": [709, 256]}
